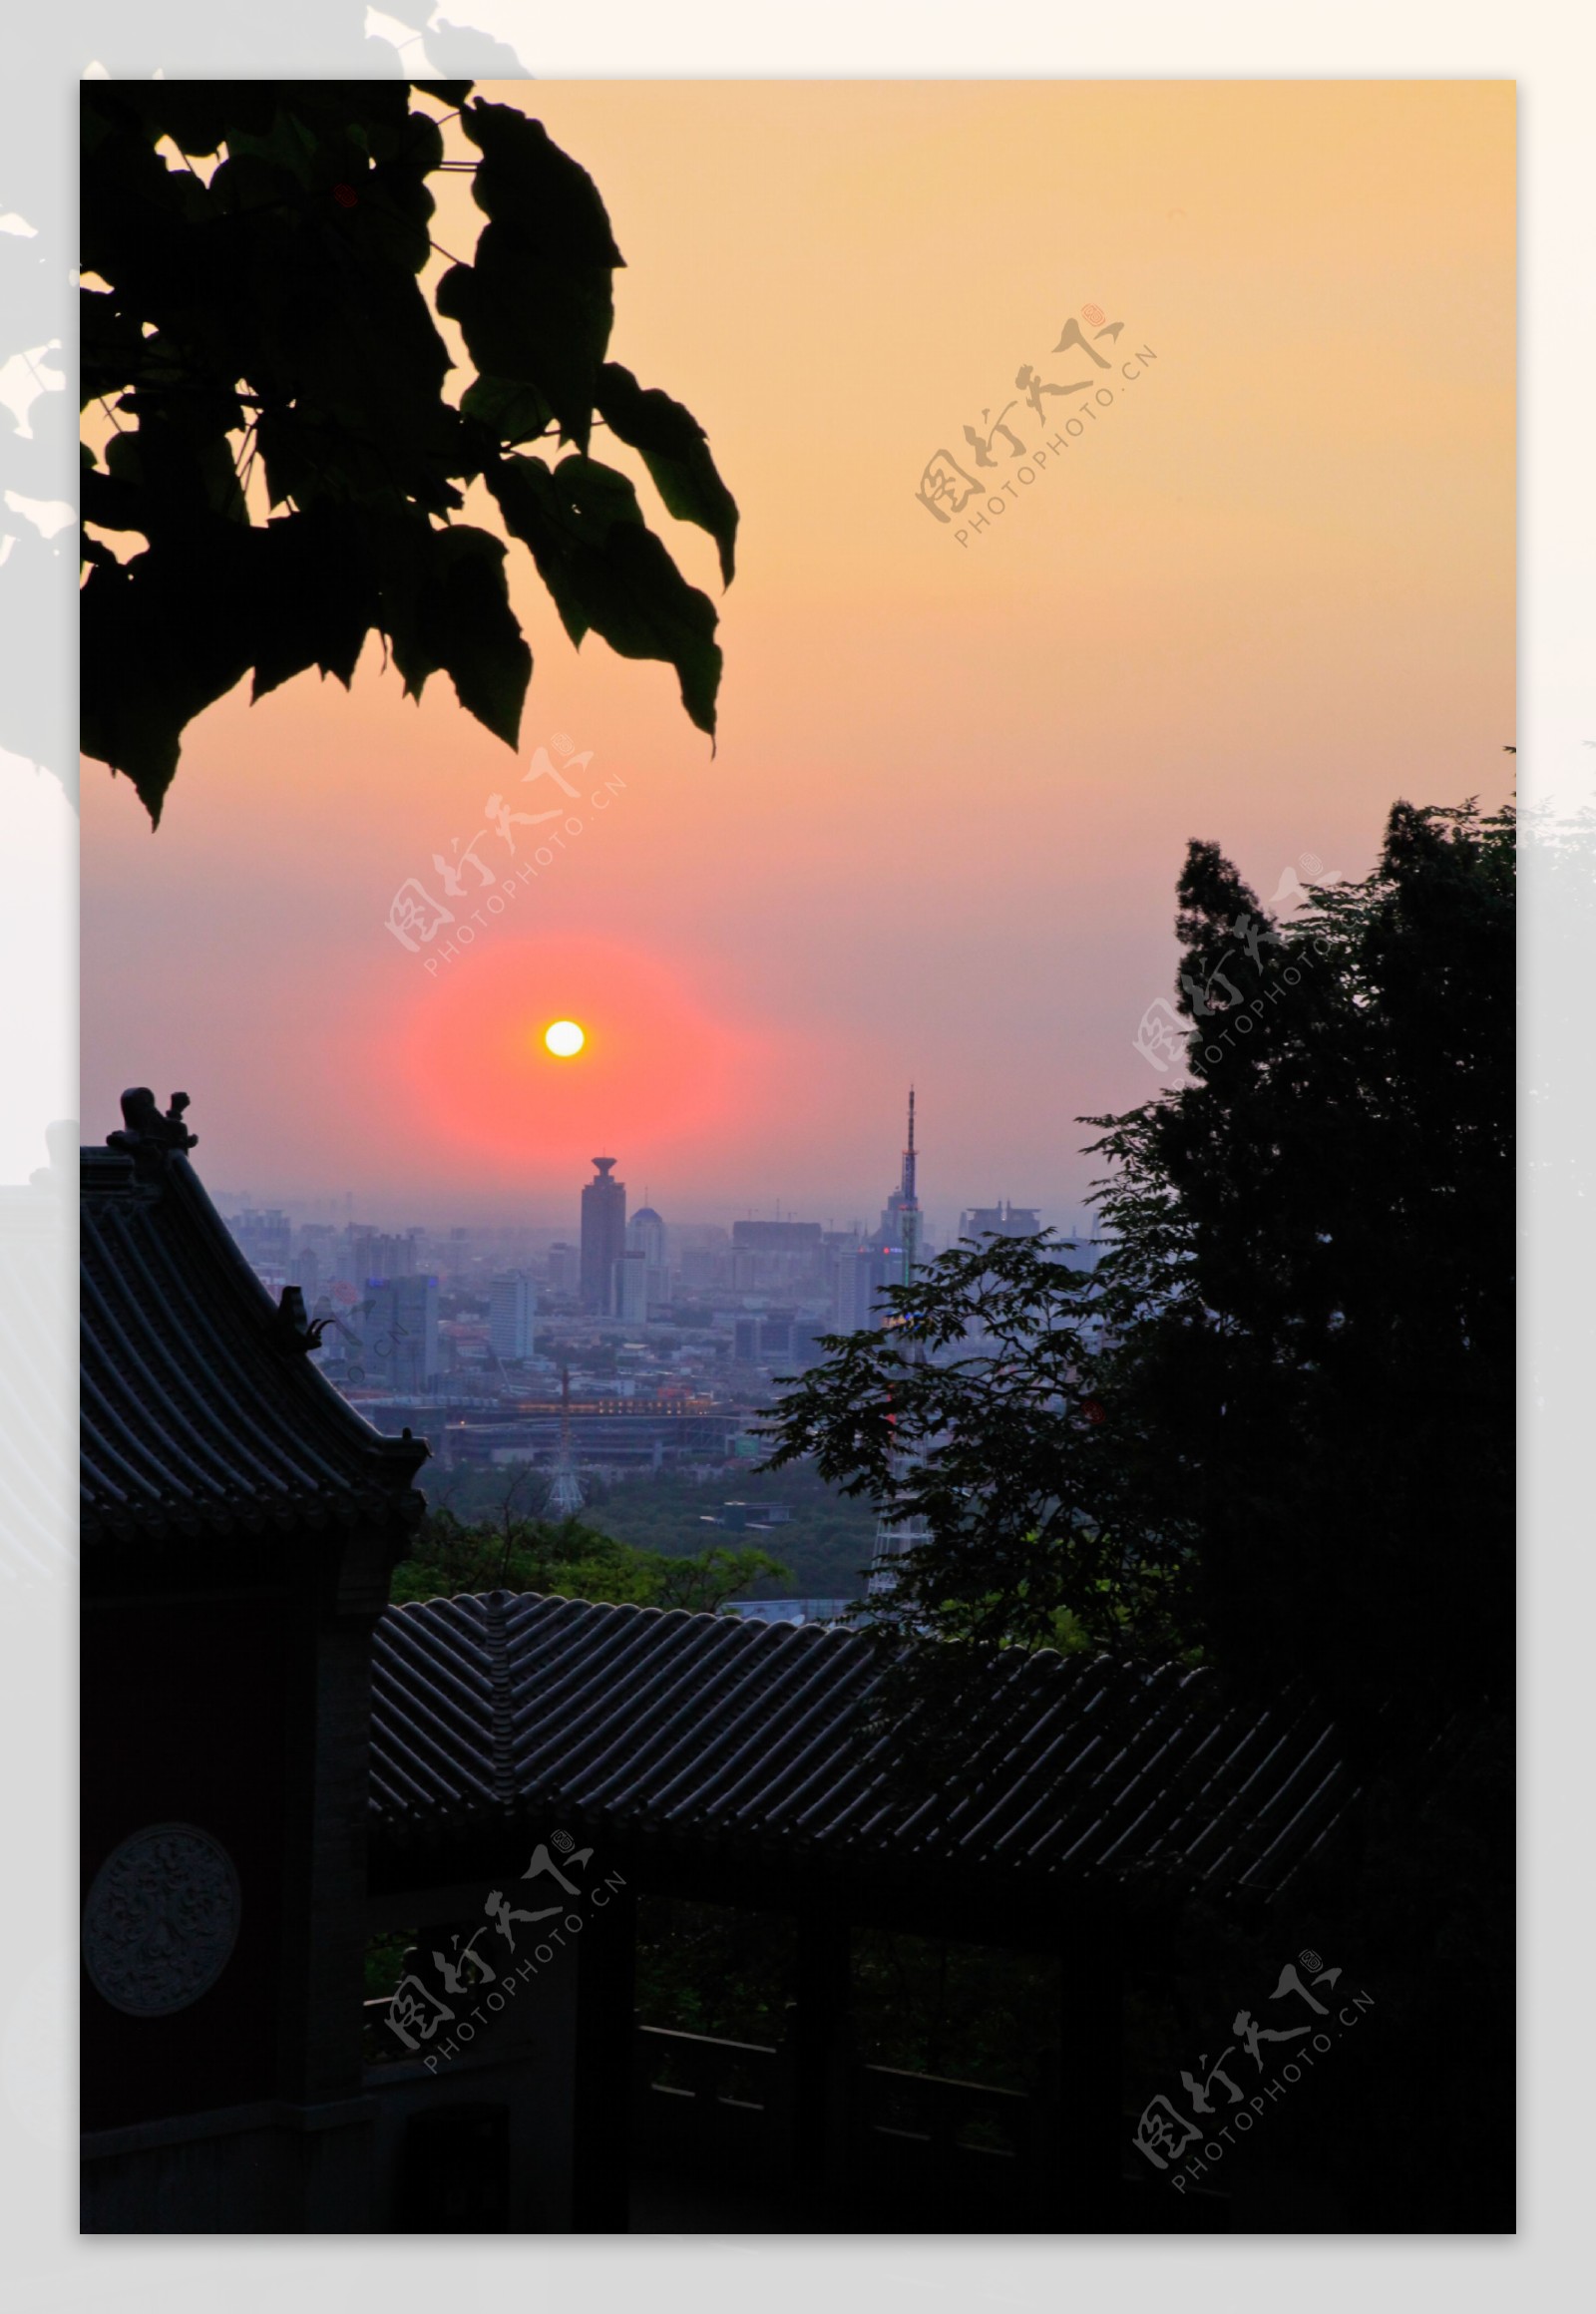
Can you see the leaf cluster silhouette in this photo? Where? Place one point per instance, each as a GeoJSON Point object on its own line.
{"type": "Point", "coordinates": [264, 314]}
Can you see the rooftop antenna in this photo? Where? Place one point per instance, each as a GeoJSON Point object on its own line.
{"type": "Point", "coordinates": [896, 1535]}
{"type": "Point", "coordinates": [909, 1199]}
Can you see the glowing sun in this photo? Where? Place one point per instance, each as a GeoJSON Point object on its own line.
{"type": "Point", "coordinates": [563, 1040]}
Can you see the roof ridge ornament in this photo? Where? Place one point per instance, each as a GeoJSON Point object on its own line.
{"type": "Point", "coordinates": [291, 1331]}
{"type": "Point", "coordinates": [150, 1138]}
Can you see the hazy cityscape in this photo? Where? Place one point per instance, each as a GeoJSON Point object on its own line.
{"type": "Point", "coordinates": [619, 1350]}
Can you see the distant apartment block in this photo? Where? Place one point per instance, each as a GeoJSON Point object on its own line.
{"type": "Point", "coordinates": [1000, 1221]}
{"type": "Point", "coordinates": [564, 1268]}
{"type": "Point", "coordinates": [397, 1321]}
{"type": "Point", "coordinates": [859, 1284]}
{"type": "Point", "coordinates": [628, 1289]}
{"type": "Point", "coordinates": [512, 1307]}
{"type": "Point", "coordinates": [265, 1239]}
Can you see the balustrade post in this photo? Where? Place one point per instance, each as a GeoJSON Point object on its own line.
{"type": "Point", "coordinates": [1086, 2126]}
{"type": "Point", "coordinates": [819, 2057]}
{"type": "Point", "coordinates": [606, 1967]}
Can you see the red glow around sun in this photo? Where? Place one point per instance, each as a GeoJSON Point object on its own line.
{"type": "Point", "coordinates": [656, 1070]}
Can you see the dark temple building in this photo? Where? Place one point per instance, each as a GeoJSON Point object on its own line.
{"type": "Point", "coordinates": [239, 1526]}
{"type": "Point", "coordinates": [280, 1770]}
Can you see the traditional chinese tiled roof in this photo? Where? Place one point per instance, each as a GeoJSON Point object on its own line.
{"type": "Point", "coordinates": [202, 1414]}
{"type": "Point", "coordinates": [748, 1736]}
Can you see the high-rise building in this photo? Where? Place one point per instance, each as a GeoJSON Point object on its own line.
{"type": "Point", "coordinates": [865, 1267]}
{"type": "Point", "coordinates": [377, 1254]}
{"type": "Point", "coordinates": [900, 1221]}
{"type": "Point", "coordinates": [263, 1238]}
{"type": "Point", "coordinates": [900, 1245]}
{"type": "Point", "coordinates": [778, 1257]}
{"type": "Point", "coordinates": [1002, 1219]}
{"type": "Point", "coordinates": [629, 1288]}
{"type": "Point", "coordinates": [397, 1319]}
{"type": "Point", "coordinates": [603, 1235]}
{"type": "Point", "coordinates": [857, 1282]}
{"type": "Point", "coordinates": [511, 1305]}
{"type": "Point", "coordinates": [564, 1268]}
{"type": "Point", "coordinates": [777, 1237]}
{"type": "Point", "coordinates": [806, 1333]}
{"type": "Point", "coordinates": [645, 1234]}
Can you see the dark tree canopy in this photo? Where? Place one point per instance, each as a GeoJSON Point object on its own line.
{"type": "Point", "coordinates": [1275, 1424]}
{"type": "Point", "coordinates": [268, 310]}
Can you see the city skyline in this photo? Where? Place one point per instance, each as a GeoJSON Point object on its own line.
{"type": "Point", "coordinates": [394, 1213]}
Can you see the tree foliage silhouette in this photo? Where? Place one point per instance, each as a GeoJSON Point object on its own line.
{"type": "Point", "coordinates": [270, 316]}
{"type": "Point", "coordinates": [1274, 1426]}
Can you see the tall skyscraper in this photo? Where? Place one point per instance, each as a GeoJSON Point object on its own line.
{"type": "Point", "coordinates": [901, 1249]}
{"type": "Point", "coordinates": [898, 1234]}
{"type": "Point", "coordinates": [603, 1235]}
{"type": "Point", "coordinates": [907, 1203]}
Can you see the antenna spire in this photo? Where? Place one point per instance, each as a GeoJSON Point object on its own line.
{"type": "Point", "coordinates": [908, 1202]}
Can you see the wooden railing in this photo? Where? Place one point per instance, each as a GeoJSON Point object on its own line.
{"type": "Point", "coordinates": [916, 2146]}
{"type": "Point", "coordinates": [723, 2107]}
{"type": "Point", "coordinates": [703, 2107]}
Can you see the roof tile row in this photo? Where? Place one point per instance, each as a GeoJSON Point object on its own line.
{"type": "Point", "coordinates": [754, 1733]}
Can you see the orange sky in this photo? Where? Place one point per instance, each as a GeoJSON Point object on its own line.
{"type": "Point", "coordinates": [1267, 591]}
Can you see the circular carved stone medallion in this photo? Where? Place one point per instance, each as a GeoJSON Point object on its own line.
{"type": "Point", "coordinates": [162, 1920]}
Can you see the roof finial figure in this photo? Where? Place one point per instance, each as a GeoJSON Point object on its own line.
{"type": "Point", "coordinates": [146, 1136]}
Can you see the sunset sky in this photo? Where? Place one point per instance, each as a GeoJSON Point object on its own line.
{"type": "Point", "coordinates": [1266, 591]}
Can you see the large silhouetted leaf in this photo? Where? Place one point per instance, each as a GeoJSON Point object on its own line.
{"type": "Point", "coordinates": [515, 413]}
{"type": "Point", "coordinates": [314, 594]}
{"type": "Point", "coordinates": [534, 305]}
{"type": "Point", "coordinates": [675, 451]}
{"type": "Point", "coordinates": [606, 570]}
{"type": "Point", "coordinates": [444, 604]}
{"type": "Point", "coordinates": [167, 638]}
{"type": "Point", "coordinates": [472, 630]}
